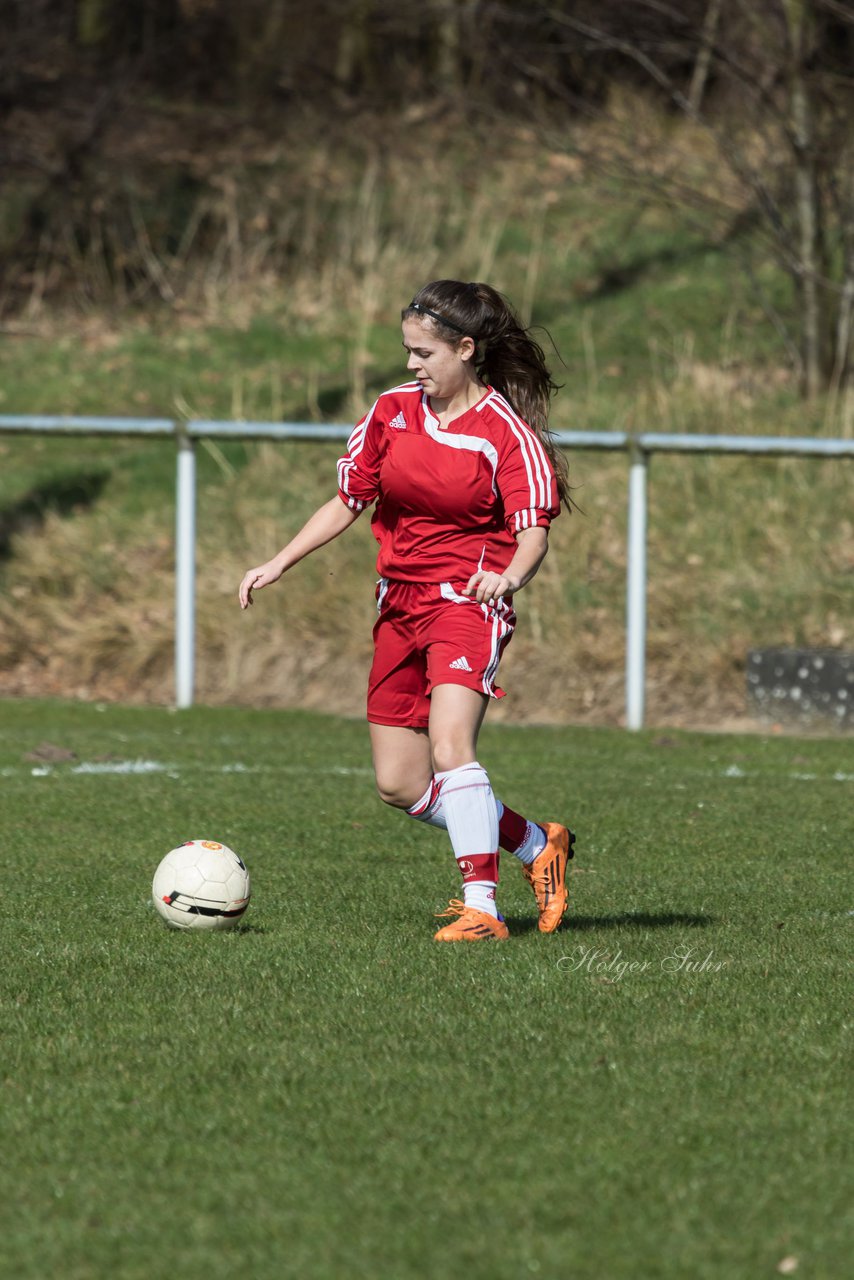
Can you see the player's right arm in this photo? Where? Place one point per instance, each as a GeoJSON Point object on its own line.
{"type": "Point", "coordinates": [358, 479]}
{"type": "Point", "coordinates": [327, 523]}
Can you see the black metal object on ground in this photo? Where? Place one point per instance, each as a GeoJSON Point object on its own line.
{"type": "Point", "coordinates": [809, 686]}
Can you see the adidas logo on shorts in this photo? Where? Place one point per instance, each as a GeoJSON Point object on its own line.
{"type": "Point", "coordinates": [460, 664]}
{"type": "Point", "coordinates": [398, 421]}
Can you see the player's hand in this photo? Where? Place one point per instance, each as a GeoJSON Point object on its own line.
{"type": "Point", "coordinates": [489, 587]}
{"type": "Point", "coordinates": [262, 576]}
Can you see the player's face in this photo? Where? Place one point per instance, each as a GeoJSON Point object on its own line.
{"type": "Point", "coordinates": [441, 369]}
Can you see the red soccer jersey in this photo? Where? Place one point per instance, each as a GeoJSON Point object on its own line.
{"type": "Point", "coordinates": [449, 500]}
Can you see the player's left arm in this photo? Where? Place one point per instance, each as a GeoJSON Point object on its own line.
{"type": "Point", "coordinates": [531, 547]}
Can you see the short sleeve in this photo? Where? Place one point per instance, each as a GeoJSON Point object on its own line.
{"type": "Point", "coordinates": [526, 481]}
{"type": "Point", "coordinates": [359, 469]}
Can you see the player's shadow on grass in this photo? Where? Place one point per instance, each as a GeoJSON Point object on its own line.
{"type": "Point", "coordinates": [627, 919]}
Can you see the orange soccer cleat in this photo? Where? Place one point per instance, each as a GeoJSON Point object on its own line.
{"type": "Point", "coordinates": [470, 925]}
{"type": "Point", "coordinates": [547, 875]}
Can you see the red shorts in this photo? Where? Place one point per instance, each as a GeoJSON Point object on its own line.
{"type": "Point", "coordinates": [429, 634]}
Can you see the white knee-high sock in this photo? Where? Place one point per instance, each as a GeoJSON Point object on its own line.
{"type": "Point", "coordinates": [524, 839]}
{"type": "Point", "coordinates": [471, 815]}
{"type": "Point", "coordinates": [429, 808]}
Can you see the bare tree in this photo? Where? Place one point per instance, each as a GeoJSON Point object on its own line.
{"type": "Point", "coordinates": [708, 36]}
{"type": "Point", "coordinates": [810, 260]}
{"type": "Point", "coordinates": [769, 83]}
{"type": "Point", "coordinates": [772, 86]}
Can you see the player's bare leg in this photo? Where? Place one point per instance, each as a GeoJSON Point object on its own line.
{"type": "Point", "coordinates": [402, 765]}
{"type": "Point", "coordinates": [456, 715]}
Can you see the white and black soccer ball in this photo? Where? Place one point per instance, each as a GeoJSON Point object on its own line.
{"type": "Point", "coordinates": [201, 885]}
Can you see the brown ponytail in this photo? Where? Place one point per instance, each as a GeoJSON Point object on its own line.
{"type": "Point", "coordinates": [506, 356]}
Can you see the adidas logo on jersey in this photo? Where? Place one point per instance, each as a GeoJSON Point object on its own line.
{"type": "Point", "coordinates": [460, 664]}
{"type": "Point", "coordinates": [398, 421]}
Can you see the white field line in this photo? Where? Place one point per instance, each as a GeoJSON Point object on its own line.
{"type": "Point", "coordinates": [122, 766]}
{"type": "Point", "coordinates": [147, 767]}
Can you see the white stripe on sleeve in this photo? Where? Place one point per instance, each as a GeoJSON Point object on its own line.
{"type": "Point", "coordinates": [533, 454]}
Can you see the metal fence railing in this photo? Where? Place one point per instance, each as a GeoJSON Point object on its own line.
{"type": "Point", "coordinates": [638, 446]}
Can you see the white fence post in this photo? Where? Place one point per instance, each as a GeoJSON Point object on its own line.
{"type": "Point", "coordinates": [636, 589]}
{"type": "Point", "coordinates": [185, 569]}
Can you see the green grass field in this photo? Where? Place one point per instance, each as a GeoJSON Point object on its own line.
{"type": "Point", "coordinates": [658, 1090]}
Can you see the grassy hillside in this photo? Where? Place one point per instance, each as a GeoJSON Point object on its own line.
{"type": "Point", "coordinates": [657, 328]}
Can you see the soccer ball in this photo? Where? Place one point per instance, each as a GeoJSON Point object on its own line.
{"type": "Point", "coordinates": [201, 885]}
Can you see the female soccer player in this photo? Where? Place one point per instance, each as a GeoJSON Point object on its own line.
{"type": "Point", "coordinates": [465, 482]}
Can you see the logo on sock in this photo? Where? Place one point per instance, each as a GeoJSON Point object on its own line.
{"type": "Point", "coordinates": [480, 866]}
{"type": "Point", "coordinates": [460, 664]}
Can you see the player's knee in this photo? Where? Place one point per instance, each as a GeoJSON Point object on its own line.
{"type": "Point", "coordinates": [450, 751]}
{"type": "Point", "coordinates": [391, 792]}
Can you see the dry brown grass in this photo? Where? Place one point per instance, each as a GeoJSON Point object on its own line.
{"type": "Point", "coordinates": [308, 225]}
